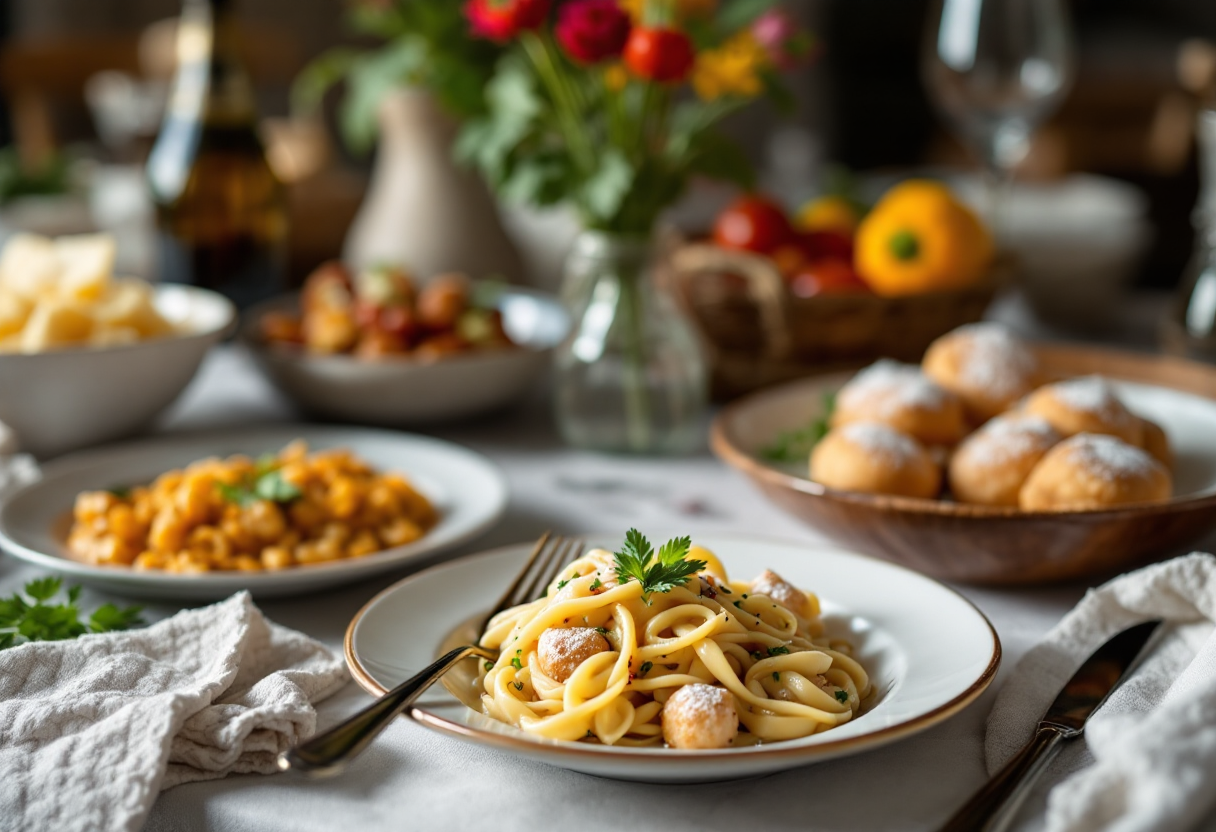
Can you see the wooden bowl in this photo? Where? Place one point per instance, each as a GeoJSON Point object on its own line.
{"type": "Point", "coordinates": [994, 545]}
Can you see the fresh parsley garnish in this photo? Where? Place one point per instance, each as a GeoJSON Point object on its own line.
{"type": "Point", "coordinates": [601, 631]}
{"type": "Point", "coordinates": [757, 655]}
{"type": "Point", "coordinates": [265, 485]}
{"type": "Point", "coordinates": [562, 584]}
{"type": "Point", "coordinates": [796, 445]}
{"type": "Point", "coordinates": [596, 584]}
{"type": "Point", "coordinates": [489, 665]}
{"type": "Point", "coordinates": [30, 616]}
{"type": "Point", "coordinates": [739, 604]}
{"type": "Point", "coordinates": [660, 573]}
{"type": "Point", "coordinates": [779, 649]}
{"type": "Point", "coordinates": [515, 662]}
{"type": "Point", "coordinates": [842, 695]}
{"type": "Point", "coordinates": [776, 676]}
{"type": "Point", "coordinates": [644, 669]}
{"type": "Point", "coordinates": [518, 685]}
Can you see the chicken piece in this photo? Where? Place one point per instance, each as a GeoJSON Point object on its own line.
{"type": "Point", "coordinates": [561, 650]}
{"type": "Point", "coordinates": [784, 593]}
{"type": "Point", "coordinates": [700, 716]}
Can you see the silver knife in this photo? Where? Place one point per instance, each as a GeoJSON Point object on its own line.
{"type": "Point", "coordinates": [996, 804]}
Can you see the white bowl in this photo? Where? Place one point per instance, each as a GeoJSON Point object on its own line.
{"type": "Point", "coordinates": [406, 391]}
{"type": "Point", "coordinates": [62, 400]}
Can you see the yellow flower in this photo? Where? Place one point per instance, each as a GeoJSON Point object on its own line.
{"type": "Point", "coordinates": [732, 69]}
{"type": "Point", "coordinates": [615, 77]}
{"type": "Point", "coordinates": [682, 9]}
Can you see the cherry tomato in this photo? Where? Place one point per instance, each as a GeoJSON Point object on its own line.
{"type": "Point", "coordinates": [659, 54]}
{"type": "Point", "coordinates": [827, 277]}
{"type": "Point", "coordinates": [829, 245]}
{"type": "Point", "coordinates": [753, 223]}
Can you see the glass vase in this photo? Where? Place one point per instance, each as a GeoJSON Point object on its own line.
{"type": "Point", "coordinates": [631, 377]}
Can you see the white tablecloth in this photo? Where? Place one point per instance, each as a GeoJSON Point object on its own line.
{"type": "Point", "coordinates": [414, 779]}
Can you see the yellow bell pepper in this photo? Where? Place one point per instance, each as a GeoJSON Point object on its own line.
{"type": "Point", "coordinates": [919, 238]}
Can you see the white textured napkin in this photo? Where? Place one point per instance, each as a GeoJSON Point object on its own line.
{"type": "Point", "coordinates": [1151, 749]}
{"type": "Point", "coordinates": [92, 730]}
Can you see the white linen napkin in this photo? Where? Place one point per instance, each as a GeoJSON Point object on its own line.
{"type": "Point", "coordinates": [92, 730]}
{"type": "Point", "coordinates": [1148, 755]}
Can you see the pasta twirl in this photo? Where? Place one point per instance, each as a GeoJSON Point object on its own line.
{"type": "Point", "coordinates": [762, 643]}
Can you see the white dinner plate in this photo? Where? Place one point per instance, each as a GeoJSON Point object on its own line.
{"type": "Point", "coordinates": [468, 490]}
{"type": "Point", "coordinates": [928, 650]}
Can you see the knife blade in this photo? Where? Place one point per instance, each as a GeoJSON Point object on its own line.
{"type": "Point", "coordinates": [995, 805]}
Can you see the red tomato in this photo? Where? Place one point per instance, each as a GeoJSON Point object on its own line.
{"type": "Point", "coordinates": [659, 54]}
{"type": "Point", "coordinates": [825, 277]}
{"type": "Point", "coordinates": [829, 245]}
{"type": "Point", "coordinates": [753, 223]}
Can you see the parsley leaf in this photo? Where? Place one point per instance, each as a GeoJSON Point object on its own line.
{"type": "Point", "coordinates": [596, 584]}
{"type": "Point", "coordinates": [265, 485]}
{"type": "Point", "coordinates": [780, 648]}
{"type": "Point", "coordinates": [776, 676]}
{"type": "Point", "coordinates": [661, 573]}
{"type": "Point", "coordinates": [30, 616]}
{"type": "Point", "coordinates": [842, 695]}
{"type": "Point", "coordinates": [489, 665]}
{"type": "Point", "coordinates": [796, 445]}
{"type": "Point", "coordinates": [644, 669]}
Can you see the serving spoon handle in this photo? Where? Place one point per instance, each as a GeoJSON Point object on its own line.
{"type": "Point", "coordinates": [328, 753]}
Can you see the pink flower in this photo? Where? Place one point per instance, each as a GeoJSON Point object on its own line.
{"type": "Point", "coordinates": [591, 31]}
{"type": "Point", "coordinates": [502, 20]}
{"type": "Point", "coordinates": [788, 44]}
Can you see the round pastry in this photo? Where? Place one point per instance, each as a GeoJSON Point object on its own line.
{"type": "Point", "coordinates": [1154, 440]}
{"type": "Point", "coordinates": [1092, 471]}
{"type": "Point", "coordinates": [876, 459]}
{"type": "Point", "coordinates": [1086, 405]}
{"type": "Point", "coordinates": [901, 396]}
{"type": "Point", "coordinates": [991, 465]}
{"type": "Point", "coordinates": [985, 365]}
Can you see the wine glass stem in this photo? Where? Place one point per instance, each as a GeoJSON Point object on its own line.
{"type": "Point", "coordinates": [998, 184]}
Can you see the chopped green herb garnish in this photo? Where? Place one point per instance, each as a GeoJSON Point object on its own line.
{"type": "Point", "coordinates": [757, 655]}
{"type": "Point", "coordinates": [724, 588]}
{"type": "Point", "coordinates": [644, 669]}
{"type": "Point", "coordinates": [842, 695]}
{"type": "Point", "coordinates": [656, 573]}
{"type": "Point", "coordinates": [517, 664]}
{"type": "Point", "coordinates": [776, 676]}
{"type": "Point", "coordinates": [28, 617]}
{"type": "Point", "coordinates": [745, 596]}
{"type": "Point", "coordinates": [518, 685]}
{"type": "Point", "coordinates": [489, 665]}
{"type": "Point", "coordinates": [796, 445]}
{"type": "Point", "coordinates": [779, 649]}
{"type": "Point", "coordinates": [739, 604]}
{"type": "Point", "coordinates": [562, 584]}
{"type": "Point", "coordinates": [267, 485]}
{"type": "Point", "coordinates": [601, 631]}
{"type": "Point", "coordinates": [596, 584]}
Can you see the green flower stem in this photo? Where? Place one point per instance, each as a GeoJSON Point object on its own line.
{"type": "Point", "coordinates": [637, 398]}
{"type": "Point", "coordinates": [541, 56]}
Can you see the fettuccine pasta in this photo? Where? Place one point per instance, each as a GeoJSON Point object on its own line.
{"type": "Point", "coordinates": [597, 660]}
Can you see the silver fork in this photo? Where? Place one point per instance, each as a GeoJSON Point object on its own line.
{"type": "Point", "coordinates": [328, 753]}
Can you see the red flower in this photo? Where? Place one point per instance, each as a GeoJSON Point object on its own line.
{"type": "Point", "coordinates": [659, 54]}
{"type": "Point", "coordinates": [592, 30]}
{"type": "Point", "coordinates": [502, 20]}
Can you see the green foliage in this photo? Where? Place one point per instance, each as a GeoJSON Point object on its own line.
{"type": "Point", "coordinates": [662, 573]}
{"type": "Point", "coordinates": [796, 445]}
{"type": "Point", "coordinates": [31, 616]}
{"type": "Point", "coordinates": [18, 179]}
{"type": "Point", "coordinates": [425, 44]}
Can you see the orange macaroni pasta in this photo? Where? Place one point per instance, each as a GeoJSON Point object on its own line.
{"type": "Point", "coordinates": [289, 509]}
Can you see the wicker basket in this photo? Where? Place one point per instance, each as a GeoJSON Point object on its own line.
{"type": "Point", "coordinates": [759, 333]}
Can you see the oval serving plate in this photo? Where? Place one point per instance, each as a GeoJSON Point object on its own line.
{"type": "Point", "coordinates": [468, 490]}
{"type": "Point", "coordinates": [929, 651]}
{"type": "Point", "coordinates": [996, 545]}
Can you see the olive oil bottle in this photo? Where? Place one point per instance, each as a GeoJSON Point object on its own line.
{"type": "Point", "coordinates": [221, 213]}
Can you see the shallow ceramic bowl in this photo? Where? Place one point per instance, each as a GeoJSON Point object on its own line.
{"type": "Point", "coordinates": [62, 400]}
{"type": "Point", "coordinates": [995, 545]}
{"type": "Point", "coordinates": [409, 391]}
